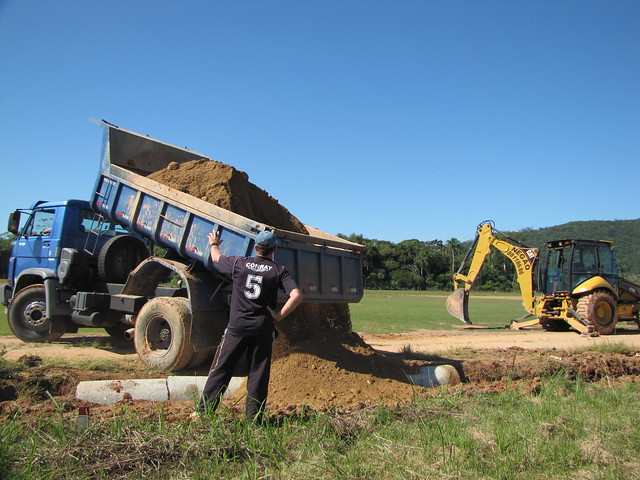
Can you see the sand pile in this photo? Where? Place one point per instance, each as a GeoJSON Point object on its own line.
{"type": "Point", "coordinates": [318, 360]}
{"type": "Point", "coordinates": [335, 370]}
{"type": "Point", "coordinates": [228, 188]}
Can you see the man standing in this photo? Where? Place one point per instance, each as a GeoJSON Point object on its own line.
{"type": "Point", "coordinates": [255, 284]}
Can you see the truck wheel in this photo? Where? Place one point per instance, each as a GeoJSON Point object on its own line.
{"type": "Point", "coordinates": [27, 316]}
{"type": "Point", "coordinates": [161, 333]}
{"type": "Point", "coordinates": [600, 310]}
{"type": "Point", "coordinates": [119, 256]}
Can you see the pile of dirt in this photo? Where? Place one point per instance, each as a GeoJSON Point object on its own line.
{"type": "Point", "coordinates": [222, 185]}
{"type": "Point", "coordinates": [311, 321]}
{"type": "Point", "coordinates": [228, 188]}
{"type": "Point", "coordinates": [336, 369]}
{"type": "Point", "coordinates": [318, 360]}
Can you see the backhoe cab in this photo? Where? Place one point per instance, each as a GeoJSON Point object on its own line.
{"type": "Point", "coordinates": [577, 283]}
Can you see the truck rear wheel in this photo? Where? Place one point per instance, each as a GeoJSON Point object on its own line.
{"type": "Point", "coordinates": [161, 333]}
{"type": "Point", "coordinates": [27, 316]}
{"type": "Point", "coordinates": [119, 256]}
{"type": "Point", "coordinates": [600, 310]}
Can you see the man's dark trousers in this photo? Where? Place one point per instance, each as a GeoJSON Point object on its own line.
{"type": "Point", "coordinates": [258, 350]}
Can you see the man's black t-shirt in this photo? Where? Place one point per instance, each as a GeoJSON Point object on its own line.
{"type": "Point", "coordinates": [256, 282]}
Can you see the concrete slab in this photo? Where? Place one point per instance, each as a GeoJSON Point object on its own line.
{"type": "Point", "coordinates": [187, 388]}
{"type": "Point", "coordinates": [105, 392]}
{"type": "Point", "coordinates": [176, 388]}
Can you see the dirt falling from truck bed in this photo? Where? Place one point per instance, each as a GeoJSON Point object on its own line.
{"type": "Point", "coordinates": [228, 188]}
{"type": "Point", "coordinates": [318, 360]}
{"type": "Point", "coordinates": [313, 329]}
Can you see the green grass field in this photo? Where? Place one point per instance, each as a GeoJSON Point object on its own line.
{"type": "Point", "coordinates": [404, 311]}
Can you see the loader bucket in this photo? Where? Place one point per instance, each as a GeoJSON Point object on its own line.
{"type": "Point", "coordinates": [458, 305]}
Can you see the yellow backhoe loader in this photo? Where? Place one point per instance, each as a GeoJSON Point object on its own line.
{"type": "Point", "coordinates": [577, 280]}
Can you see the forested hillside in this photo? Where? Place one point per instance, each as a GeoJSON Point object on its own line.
{"type": "Point", "coordinates": [424, 265]}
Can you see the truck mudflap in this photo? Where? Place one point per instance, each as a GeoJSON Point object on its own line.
{"type": "Point", "coordinates": [458, 305]}
{"type": "Point", "coordinates": [7, 293]}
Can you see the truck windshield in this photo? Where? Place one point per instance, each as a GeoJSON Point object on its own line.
{"type": "Point", "coordinates": [40, 223]}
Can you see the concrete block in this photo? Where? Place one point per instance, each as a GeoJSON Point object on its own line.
{"type": "Point", "coordinates": [188, 388]}
{"type": "Point", "coordinates": [105, 392]}
{"type": "Point", "coordinates": [174, 388]}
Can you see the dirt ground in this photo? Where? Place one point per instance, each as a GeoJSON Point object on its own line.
{"type": "Point", "coordinates": [337, 372]}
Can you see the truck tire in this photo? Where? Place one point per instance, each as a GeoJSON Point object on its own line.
{"type": "Point", "coordinates": [161, 333]}
{"type": "Point", "coordinates": [119, 256]}
{"type": "Point", "coordinates": [27, 318]}
{"type": "Point", "coordinates": [600, 310]}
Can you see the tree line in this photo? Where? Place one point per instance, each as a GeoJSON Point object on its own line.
{"type": "Point", "coordinates": [430, 265]}
{"type": "Point", "coordinates": [426, 265]}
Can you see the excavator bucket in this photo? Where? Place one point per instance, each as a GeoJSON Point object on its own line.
{"type": "Point", "coordinates": [458, 305]}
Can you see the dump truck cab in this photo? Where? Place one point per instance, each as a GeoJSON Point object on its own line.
{"type": "Point", "coordinates": [47, 232]}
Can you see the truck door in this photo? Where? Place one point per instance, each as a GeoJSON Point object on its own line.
{"type": "Point", "coordinates": [36, 246]}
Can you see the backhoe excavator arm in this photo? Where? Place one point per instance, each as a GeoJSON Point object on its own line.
{"type": "Point", "coordinates": [523, 259]}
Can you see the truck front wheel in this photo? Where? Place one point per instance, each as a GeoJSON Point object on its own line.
{"type": "Point", "coordinates": [600, 310]}
{"type": "Point", "coordinates": [27, 316]}
{"type": "Point", "coordinates": [161, 333]}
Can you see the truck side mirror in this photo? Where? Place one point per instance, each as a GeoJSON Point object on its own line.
{"type": "Point", "coordinates": [14, 222]}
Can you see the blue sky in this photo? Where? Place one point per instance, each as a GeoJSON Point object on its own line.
{"type": "Point", "coordinates": [390, 119]}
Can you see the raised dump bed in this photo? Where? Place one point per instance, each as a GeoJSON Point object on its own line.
{"type": "Point", "coordinates": [178, 329]}
{"type": "Point", "coordinates": [327, 268]}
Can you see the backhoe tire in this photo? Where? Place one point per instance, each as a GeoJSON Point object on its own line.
{"type": "Point", "coordinates": [119, 256]}
{"type": "Point", "coordinates": [600, 310]}
{"type": "Point", "coordinates": [161, 333]}
{"type": "Point", "coordinates": [27, 316]}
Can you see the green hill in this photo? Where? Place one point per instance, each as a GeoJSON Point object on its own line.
{"type": "Point", "coordinates": [624, 233]}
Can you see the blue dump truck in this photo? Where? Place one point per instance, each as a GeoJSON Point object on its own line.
{"type": "Point", "coordinates": [79, 263]}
